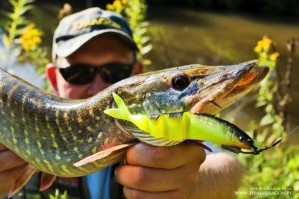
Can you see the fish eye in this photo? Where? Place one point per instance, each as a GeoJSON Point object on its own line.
{"type": "Point", "coordinates": [180, 82]}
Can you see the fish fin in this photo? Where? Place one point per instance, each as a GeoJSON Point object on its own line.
{"type": "Point", "coordinates": [27, 172]}
{"type": "Point", "coordinates": [46, 181]}
{"type": "Point", "coordinates": [121, 112]}
{"type": "Point", "coordinates": [102, 154]}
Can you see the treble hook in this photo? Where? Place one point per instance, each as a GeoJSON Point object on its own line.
{"type": "Point", "coordinates": [257, 151]}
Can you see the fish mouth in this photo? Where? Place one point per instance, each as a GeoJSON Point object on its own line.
{"type": "Point", "coordinates": [229, 86]}
{"type": "Point", "coordinates": [254, 76]}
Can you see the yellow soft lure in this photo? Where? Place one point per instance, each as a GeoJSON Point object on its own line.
{"type": "Point", "coordinates": [181, 126]}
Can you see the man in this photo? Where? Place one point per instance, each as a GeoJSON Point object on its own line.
{"type": "Point", "coordinates": [93, 49]}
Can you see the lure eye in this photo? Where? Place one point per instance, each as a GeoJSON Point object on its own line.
{"type": "Point", "coordinates": [180, 82]}
{"type": "Point", "coordinates": [242, 139]}
{"type": "Point", "coordinates": [246, 140]}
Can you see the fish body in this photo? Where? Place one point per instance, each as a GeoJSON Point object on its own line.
{"type": "Point", "coordinates": [52, 134]}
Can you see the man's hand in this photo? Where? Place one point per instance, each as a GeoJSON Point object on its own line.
{"type": "Point", "coordinates": [160, 172]}
{"type": "Point", "coordinates": [11, 167]}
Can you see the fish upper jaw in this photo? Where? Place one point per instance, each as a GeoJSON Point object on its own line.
{"type": "Point", "coordinates": [225, 88]}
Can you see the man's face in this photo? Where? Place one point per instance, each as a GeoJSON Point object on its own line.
{"type": "Point", "coordinates": [98, 51]}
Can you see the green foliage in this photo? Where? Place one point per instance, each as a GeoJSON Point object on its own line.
{"type": "Point", "coordinates": [15, 21]}
{"type": "Point", "coordinates": [58, 195]}
{"type": "Point", "coordinates": [135, 12]}
{"type": "Point", "coordinates": [21, 38]}
{"type": "Point", "coordinates": [274, 173]}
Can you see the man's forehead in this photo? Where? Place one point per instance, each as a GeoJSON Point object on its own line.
{"type": "Point", "coordinates": [104, 45]}
{"type": "Point", "coordinates": [106, 40]}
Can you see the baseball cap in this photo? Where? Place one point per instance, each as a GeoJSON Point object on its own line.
{"type": "Point", "coordinates": [75, 30]}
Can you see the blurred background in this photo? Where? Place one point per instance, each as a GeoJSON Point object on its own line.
{"type": "Point", "coordinates": [209, 32]}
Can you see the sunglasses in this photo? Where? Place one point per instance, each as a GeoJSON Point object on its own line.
{"type": "Point", "coordinates": [81, 74]}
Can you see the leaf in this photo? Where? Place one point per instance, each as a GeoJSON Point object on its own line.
{"type": "Point", "coordinates": [140, 31]}
{"type": "Point", "coordinates": [5, 41]}
{"type": "Point", "coordinates": [25, 9]}
{"type": "Point", "coordinates": [13, 3]}
{"type": "Point", "coordinates": [146, 49]}
{"type": "Point", "coordinates": [145, 40]}
{"type": "Point", "coordinates": [296, 186]}
{"type": "Point", "coordinates": [267, 119]}
{"type": "Point", "coordinates": [145, 23]}
{"type": "Point", "coordinates": [4, 13]}
{"type": "Point", "coordinates": [260, 103]}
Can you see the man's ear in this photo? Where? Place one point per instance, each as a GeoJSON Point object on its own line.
{"type": "Point", "coordinates": [52, 76]}
{"type": "Point", "coordinates": [138, 68]}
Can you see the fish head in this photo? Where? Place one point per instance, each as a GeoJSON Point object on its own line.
{"type": "Point", "coordinates": [195, 88]}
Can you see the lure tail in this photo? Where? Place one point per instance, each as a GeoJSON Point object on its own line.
{"type": "Point", "coordinates": [121, 112]}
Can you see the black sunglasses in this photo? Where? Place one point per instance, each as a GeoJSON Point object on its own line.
{"type": "Point", "coordinates": [81, 74]}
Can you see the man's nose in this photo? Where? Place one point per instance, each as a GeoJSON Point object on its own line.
{"type": "Point", "coordinates": [98, 84]}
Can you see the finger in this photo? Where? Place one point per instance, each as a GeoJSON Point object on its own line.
{"type": "Point", "coordinates": [134, 193]}
{"type": "Point", "coordinates": [8, 178]}
{"type": "Point", "coordinates": [9, 160]}
{"type": "Point", "coordinates": [164, 157]}
{"type": "Point", "coordinates": [3, 147]}
{"type": "Point", "coordinates": [157, 180]}
{"type": "Point", "coordinates": [27, 172]}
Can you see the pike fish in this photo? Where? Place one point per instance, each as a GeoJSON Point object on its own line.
{"type": "Point", "coordinates": [65, 137]}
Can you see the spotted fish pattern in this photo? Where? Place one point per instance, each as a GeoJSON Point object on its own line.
{"type": "Point", "coordinates": [52, 134]}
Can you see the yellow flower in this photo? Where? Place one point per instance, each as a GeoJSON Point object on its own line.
{"type": "Point", "coordinates": [109, 7]}
{"type": "Point", "coordinates": [266, 42]}
{"type": "Point", "coordinates": [258, 48]}
{"type": "Point", "coordinates": [274, 56]}
{"type": "Point", "coordinates": [117, 6]}
{"type": "Point", "coordinates": [263, 45]}
{"type": "Point", "coordinates": [30, 38]}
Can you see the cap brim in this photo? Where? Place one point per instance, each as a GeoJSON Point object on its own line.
{"type": "Point", "coordinates": [69, 47]}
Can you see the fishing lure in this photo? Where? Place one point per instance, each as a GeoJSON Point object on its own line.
{"type": "Point", "coordinates": [257, 151]}
{"type": "Point", "coordinates": [201, 127]}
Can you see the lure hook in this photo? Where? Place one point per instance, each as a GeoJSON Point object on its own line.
{"type": "Point", "coordinates": [257, 151]}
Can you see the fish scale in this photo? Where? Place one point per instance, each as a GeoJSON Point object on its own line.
{"type": "Point", "coordinates": [44, 129]}
{"type": "Point", "coordinates": [70, 138]}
